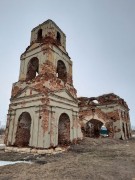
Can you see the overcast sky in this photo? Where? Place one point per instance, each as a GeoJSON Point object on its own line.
{"type": "Point", "coordinates": [100, 41]}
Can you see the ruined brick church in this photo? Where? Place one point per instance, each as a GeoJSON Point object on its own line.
{"type": "Point", "coordinates": [44, 110]}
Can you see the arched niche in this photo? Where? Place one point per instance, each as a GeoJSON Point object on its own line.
{"type": "Point", "coordinates": [64, 129]}
{"type": "Point", "coordinates": [23, 130]}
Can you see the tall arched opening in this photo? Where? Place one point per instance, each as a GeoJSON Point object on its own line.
{"type": "Point", "coordinates": [61, 71]}
{"type": "Point", "coordinates": [32, 69]}
{"type": "Point", "coordinates": [64, 129]}
{"type": "Point", "coordinates": [23, 130]}
{"type": "Point", "coordinates": [93, 128]}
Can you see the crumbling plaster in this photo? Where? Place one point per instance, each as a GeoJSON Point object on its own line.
{"type": "Point", "coordinates": [108, 109]}
{"type": "Point", "coordinates": [48, 28]}
{"type": "Point", "coordinates": [44, 97]}
{"type": "Point", "coordinates": [44, 53]}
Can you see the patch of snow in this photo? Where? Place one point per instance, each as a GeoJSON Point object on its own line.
{"type": "Point", "coordinates": [4, 163]}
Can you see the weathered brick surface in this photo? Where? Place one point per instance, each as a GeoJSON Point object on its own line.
{"type": "Point", "coordinates": [110, 109]}
{"type": "Point", "coordinates": [46, 83]}
{"type": "Point", "coordinates": [45, 69]}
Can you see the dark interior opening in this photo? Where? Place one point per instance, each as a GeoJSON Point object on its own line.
{"type": "Point", "coordinates": [58, 37]}
{"type": "Point", "coordinates": [93, 128]}
{"type": "Point", "coordinates": [64, 129]}
{"type": "Point", "coordinates": [39, 35]}
{"type": "Point", "coordinates": [61, 71]}
{"type": "Point", "coordinates": [23, 130]}
{"type": "Point", "coordinates": [32, 70]}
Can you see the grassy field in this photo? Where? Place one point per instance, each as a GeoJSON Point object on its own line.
{"type": "Point", "coordinates": [94, 159]}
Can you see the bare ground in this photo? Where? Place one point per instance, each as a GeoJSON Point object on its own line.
{"type": "Point", "coordinates": [94, 159]}
{"type": "Point", "coordinates": [1, 139]}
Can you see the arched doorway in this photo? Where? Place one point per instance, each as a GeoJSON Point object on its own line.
{"type": "Point", "coordinates": [64, 129]}
{"type": "Point", "coordinates": [93, 128]}
{"type": "Point", "coordinates": [32, 70]}
{"type": "Point", "coordinates": [23, 130]}
{"type": "Point", "coordinates": [61, 71]}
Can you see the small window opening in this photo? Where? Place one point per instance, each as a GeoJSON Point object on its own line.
{"type": "Point", "coordinates": [58, 37]}
{"type": "Point", "coordinates": [39, 36]}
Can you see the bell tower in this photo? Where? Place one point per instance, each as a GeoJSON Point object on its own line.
{"type": "Point", "coordinates": [48, 44]}
{"type": "Point", "coordinates": [44, 95]}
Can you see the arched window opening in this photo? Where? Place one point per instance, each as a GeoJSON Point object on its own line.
{"type": "Point", "coordinates": [64, 130]}
{"type": "Point", "coordinates": [93, 128]}
{"type": "Point", "coordinates": [39, 34]}
{"type": "Point", "coordinates": [58, 37]}
{"type": "Point", "coordinates": [61, 71]}
{"type": "Point", "coordinates": [32, 70]}
{"type": "Point", "coordinates": [23, 130]}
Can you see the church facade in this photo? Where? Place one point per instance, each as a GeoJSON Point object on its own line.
{"type": "Point", "coordinates": [44, 109]}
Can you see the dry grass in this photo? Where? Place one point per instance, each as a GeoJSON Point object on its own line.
{"type": "Point", "coordinates": [94, 159]}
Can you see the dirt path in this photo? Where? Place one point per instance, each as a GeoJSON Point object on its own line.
{"type": "Point", "coordinates": [94, 159]}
